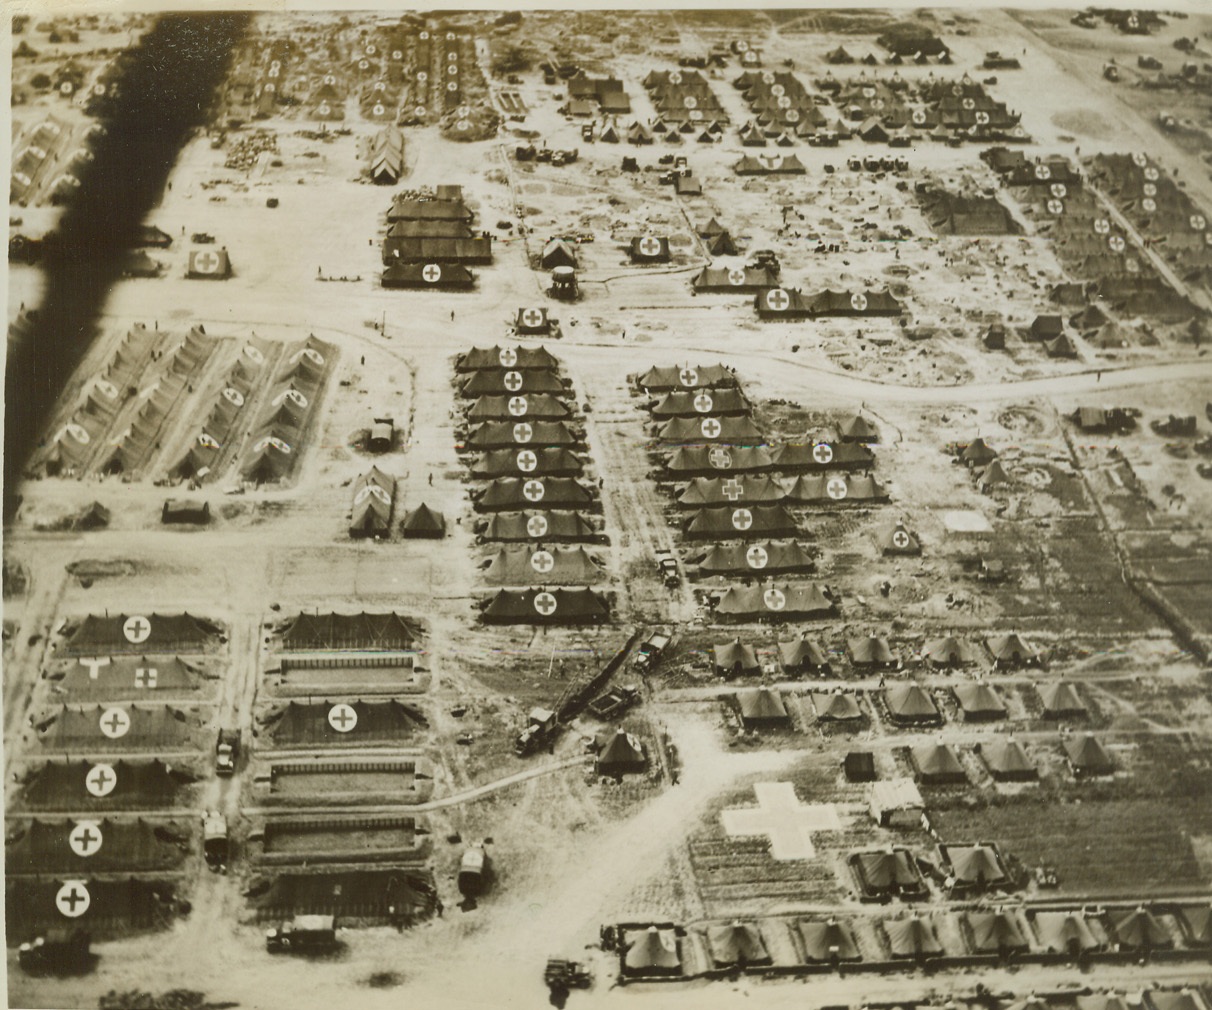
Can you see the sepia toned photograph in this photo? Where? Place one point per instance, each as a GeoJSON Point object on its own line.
{"type": "Point", "coordinates": [641, 507]}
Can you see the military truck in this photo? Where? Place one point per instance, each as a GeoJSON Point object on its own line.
{"type": "Point", "coordinates": [541, 729]}
{"type": "Point", "coordinates": [303, 933]}
{"type": "Point", "coordinates": [227, 751]}
{"type": "Point", "coordinates": [60, 949]}
{"type": "Point", "coordinates": [651, 650]}
{"type": "Point", "coordinates": [215, 845]}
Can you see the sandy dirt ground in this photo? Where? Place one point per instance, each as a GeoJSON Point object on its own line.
{"type": "Point", "coordinates": [575, 853]}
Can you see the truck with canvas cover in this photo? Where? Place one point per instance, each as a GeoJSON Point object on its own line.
{"type": "Point", "coordinates": [215, 844]}
{"type": "Point", "coordinates": [651, 650]}
{"type": "Point", "coordinates": [303, 932]}
{"type": "Point", "coordinates": [541, 728]}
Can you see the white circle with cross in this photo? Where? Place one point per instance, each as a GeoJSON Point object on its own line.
{"type": "Point", "coordinates": [209, 441]}
{"type": "Point", "coordinates": [1152, 174]}
{"type": "Point", "coordinates": [792, 115]}
{"type": "Point", "coordinates": [101, 780]}
{"type": "Point", "coordinates": [536, 526]}
{"type": "Point", "coordinates": [108, 388]}
{"type": "Point", "coordinates": [397, 54]}
{"type": "Point", "coordinates": [533, 490]}
{"type": "Point", "coordinates": [757, 557]}
{"type": "Point", "coordinates": [513, 381]}
{"type": "Point", "coordinates": [542, 562]}
{"type": "Point", "coordinates": [732, 489]}
{"type": "Point", "coordinates": [72, 899]}
{"type": "Point", "coordinates": [115, 723]}
{"type": "Point", "coordinates": [822, 452]}
{"type": "Point", "coordinates": [342, 717]}
{"type": "Point", "coordinates": [783, 102]}
{"type": "Point", "coordinates": [742, 46]}
{"type": "Point", "coordinates": [710, 427]}
{"type": "Point", "coordinates": [900, 540]}
{"type": "Point", "coordinates": [85, 839]}
{"type": "Point", "coordinates": [1148, 205]}
{"type": "Point", "coordinates": [720, 458]}
{"type": "Point", "coordinates": [508, 357]}
{"type": "Point", "coordinates": [463, 111]}
{"type": "Point", "coordinates": [1043, 173]}
{"type": "Point", "coordinates": [452, 86]}
{"type": "Point", "coordinates": [424, 36]}
{"type": "Point", "coordinates": [527, 461]}
{"type": "Point", "coordinates": [233, 396]}
{"type": "Point", "coordinates": [777, 300]}
{"type": "Point", "coordinates": [690, 102]}
{"type": "Point", "coordinates": [675, 77]}
{"type": "Point", "coordinates": [314, 356]}
{"type": "Point", "coordinates": [325, 109]}
{"type": "Point", "coordinates": [858, 302]}
{"type": "Point", "coordinates": [742, 519]}
{"type": "Point", "coordinates": [1116, 242]}
{"type": "Point", "coordinates": [1102, 226]}
{"type": "Point", "coordinates": [703, 402]}
{"type": "Point", "coordinates": [254, 354]}
{"type": "Point", "coordinates": [1149, 189]}
{"type": "Point", "coordinates": [775, 599]}
{"type": "Point", "coordinates": [462, 125]}
{"type": "Point", "coordinates": [688, 377]}
{"type": "Point", "coordinates": [517, 406]}
{"type": "Point", "coordinates": [431, 273]}
{"type": "Point", "coordinates": [206, 262]}
{"type": "Point", "coordinates": [378, 110]}
{"type": "Point", "coordinates": [422, 76]}
{"type": "Point", "coordinates": [982, 119]}
{"type": "Point", "coordinates": [1058, 190]}
{"type": "Point", "coordinates": [78, 433]}
{"type": "Point", "coordinates": [545, 603]}
{"type": "Point", "coordinates": [1056, 207]}
{"type": "Point", "coordinates": [1140, 160]}
{"type": "Point", "coordinates": [778, 90]}
{"type": "Point", "coordinates": [836, 488]}
{"type": "Point", "coordinates": [736, 276]}
{"type": "Point", "coordinates": [363, 64]}
{"type": "Point", "coordinates": [136, 629]}
{"type": "Point", "coordinates": [1198, 222]}
{"type": "Point", "coordinates": [919, 116]}
{"type": "Point", "coordinates": [533, 317]}
{"type": "Point", "coordinates": [522, 432]}
{"type": "Point", "coordinates": [452, 70]}
{"type": "Point", "coordinates": [649, 246]}
{"type": "Point", "coordinates": [370, 50]}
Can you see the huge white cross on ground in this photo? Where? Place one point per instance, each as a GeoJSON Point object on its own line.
{"type": "Point", "coordinates": [788, 823]}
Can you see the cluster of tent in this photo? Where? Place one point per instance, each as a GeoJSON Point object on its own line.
{"type": "Point", "coordinates": [589, 95]}
{"type": "Point", "coordinates": [952, 214]}
{"type": "Point", "coordinates": [684, 99]}
{"type": "Point", "coordinates": [374, 495]}
{"type": "Point", "coordinates": [781, 106]}
{"type": "Point", "coordinates": [983, 461]}
{"type": "Point", "coordinates": [32, 162]}
{"type": "Point", "coordinates": [385, 156]}
{"type": "Point", "coordinates": [276, 442]}
{"type": "Point", "coordinates": [224, 422]}
{"type": "Point", "coordinates": [430, 244]}
{"type": "Point", "coordinates": [784, 304]}
{"type": "Point", "coordinates": [532, 461]}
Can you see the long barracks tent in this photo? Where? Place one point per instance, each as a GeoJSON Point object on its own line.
{"type": "Point", "coordinates": [816, 456]}
{"type": "Point", "coordinates": [134, 634]}
{"type": "Point", "coordinates": [789, 303]}
{"type": "Point", "coordinates": [801, 601]}
{"type": "Point", "coordinates": [97, 787]}
{"type": "Point", "coordinates": [734, 280]}
{"type": "Point", "coordinates": [496, 382]}
{"type": "Point", "coordinates": [838, 489]}
{"type": "Point", "coordinates": [769, 164]}
{"type": "Point", "coordinates": [517, 407]}
{"type": "Point", "coordinates": [664, 379]}
{"type": "Point", "coordinates": [315, 724]}
{"type": "Point", "coordinates": [43, 846]}
{"type": "Point", "coordinates": [117, 727]}
{"type": "Point", "coordinates": [714, 430]}
{"type": "Point", "coordinates": [516, 357]}
{"type": "Point", "coordinates": [538, 527]}
{"type": "Point", "coordinates": [561, 566]}
{"type": "Point", "coordinates": [718, 402]}
{"type": "Point", "coordinates": [768, 558]}
{"type": "Point", "coordinates": [404, 209]}
{"type": "Point", "coordinates": [388, 632]}
{"type": "Point", "coordinates": [430, 229]}
{"type": "Point", "coordinates": [467, 251]}
{"type": "Point", "coordinates": [551, 462]}
{"type": "Point", "coordinates": [1064, 932]}
{"type": "Point", "coordinates": [108, 678]}
{"type": "Point", "coordinates": [513, 493]}
{"type": "Point", "coordinates": [543, 606]}
{"type": "Point", "coordinates": [499, 434]}
{"type": "Point", "coordinates": [115, 905]}
{"type": "Point", "coordinates": [449, 276]}
{"type": "Point", "coordinates": [689, 461]}
{"type": "Point", "coordinates": [741, 523]}
{"type": "Point", "coordinates": [729, 492]}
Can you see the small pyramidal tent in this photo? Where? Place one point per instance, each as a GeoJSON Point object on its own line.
{"type": "Point", "coordinates": [424, 522]}
{"type": "Point", "coordinates": [622, 754]}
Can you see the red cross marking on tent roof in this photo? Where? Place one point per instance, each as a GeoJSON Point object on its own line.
{"type": "Point", "coordinates": [536, 526]}
{"type": "Point", "coordinates": [649, 246]}
{"type": "Point", "coordinates": [711, 427]}
{"type": "Point", "coordinates": [527, 461]}
{"type": "Point", "coordinates": [85, 839]}
{"type": "Point", "coordinates": [100, 780]}
{"type": "Point", "coordinates": [703, 402]}
{"type": "Point", "coordinates": [542, 561]}
{"type": "Point", "coordinates": [115, 723]}
{"type": "Point", "coordinates": [742, 519]}
{"type": "Point", "coordinates": [900, 539]}
{"type": "Point", "coordinates": [545, 604]}
{"type": "Point", "coordinates": [858, 302]}
{"type": "Point", "coordinates": [822, 452]}
{"type": "Point", "coordinates": [432, 273]}
{"type": "Point", "coordinates": [774, 599]}
{"type": "Point", "coordinates": [836, 488]}
{"type": "Point", "coordinates": [342, 717]}
{"type": "Point", "coordinates": [73, 899]}
{"type": "Point", "coordinates": [517, 406]}
{"type": "Point", "coordinates": [732, 489]}
{"type": "Point", "coordinates": [720, 458]}
{"type": "Point", "coordinates": [136, 629]}
{"type": "Point", "coordinates": [688, 377]}
{"type": "Point", "coordinates": [206, 262]}
{"type": "Point", "coordinates": [757, 557]}
{"type": "Point", "coordinates": [533, 490]}
{"type": "Point", "coordinates": [513, 381]}
{"type": "Point", "coordinates": [736, 276]}
{"type": "Point", "coordinates": [522, 432]}
{"type": "Point", "coordinates": [146, 676]}
{"type": "Point", "coordinates": [508, 357]}
{"type": "Point", "coordinates": [777, 299]}
{"type": "Point", "coordinates": [533, 317]}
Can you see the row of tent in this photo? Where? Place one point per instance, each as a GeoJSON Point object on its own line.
{"type": "Point", "coordinates": [659, 950]}
{"type": "Point", "coordinates": [684, 96]}
{"type": "Point", "coordinates": [817, 489]}
{"type": "Point", "coordinates": [430, 244]}
{"type": "Point", "coordinates": [789, 303]}
{"type": "Point", "coordinates": [808, 655]}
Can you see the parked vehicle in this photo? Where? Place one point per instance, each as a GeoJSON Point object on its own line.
{"type": "Point", "coordinates": [303, 932]}
{"type": "Point", "coordinates": [227, 751]}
